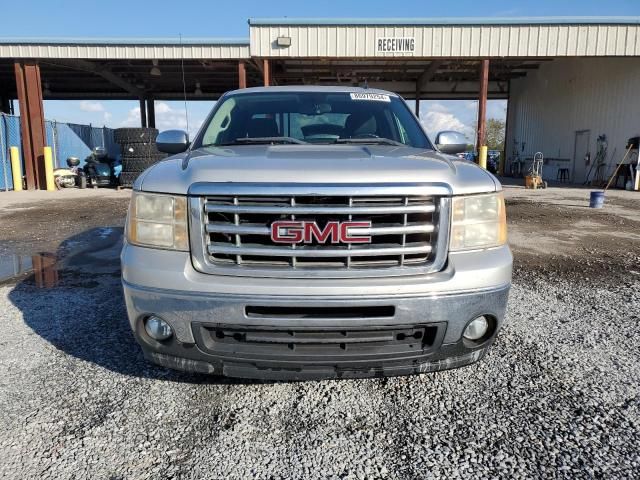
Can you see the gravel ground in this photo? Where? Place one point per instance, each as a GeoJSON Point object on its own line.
{"type": "Point", "coordinates": [557, 396]}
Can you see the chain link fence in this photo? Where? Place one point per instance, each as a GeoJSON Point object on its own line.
{"type": "Point", "coordinates": [65, 139]}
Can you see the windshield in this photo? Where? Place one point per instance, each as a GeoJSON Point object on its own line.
{"type": "Point", "coordinates": [312, 117]}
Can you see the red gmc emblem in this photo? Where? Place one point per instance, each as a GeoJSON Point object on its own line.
{"type": "Point", "coordinates": [291, 231]}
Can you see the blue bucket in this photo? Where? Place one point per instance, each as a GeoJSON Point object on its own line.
{"type": "Point", "coordinates": [596, 200]}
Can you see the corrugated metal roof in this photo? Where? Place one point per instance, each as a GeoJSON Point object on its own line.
{"type": "Point", "coordinates": [121, 41]}
{"type": "Point", "coordinates": [605, 20]}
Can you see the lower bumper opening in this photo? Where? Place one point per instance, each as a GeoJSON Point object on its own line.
{"type": "Point", "coordinates": [347, 347]}
{"type": "Point", "coordinates": [361, 311]}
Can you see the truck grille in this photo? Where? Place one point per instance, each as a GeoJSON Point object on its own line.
{"type": "Point", "coordinates": [236, 231]}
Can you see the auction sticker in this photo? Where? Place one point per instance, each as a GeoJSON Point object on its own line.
{"type": "Point", "coordinates": [374, 97]}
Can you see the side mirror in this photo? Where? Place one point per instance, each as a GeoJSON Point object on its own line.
{"type": "Point", "coordinates": [173, 141]}
{"type": "Point", "coordinates": [451, 142]}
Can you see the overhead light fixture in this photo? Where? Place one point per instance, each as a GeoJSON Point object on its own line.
{"type": "Point", "coordinates": [155, 70]}
{"type": "Point", "coordinates": [198, 90]}
{"type": "Point", "coordinates": [283, 42]}
{"type": "Point", "coordinates": [46, 91]}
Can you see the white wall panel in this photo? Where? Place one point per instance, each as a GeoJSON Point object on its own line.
{"type": "Point", "coordinates": [449, 40]}
{"type": "Point", "coordinates": [549, 105]}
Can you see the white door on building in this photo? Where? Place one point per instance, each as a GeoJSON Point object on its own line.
{"type": "Point", "coordinates": [580, 152]}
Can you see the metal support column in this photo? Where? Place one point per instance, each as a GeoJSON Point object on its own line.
{"type": "Point", "coordinates": [482, 104]}
{"type": "Point", "coordinates": [242, 75]}
{"type": "Point", "coordinates": [143, 113]}
{"type": "Point", "coordinates": [151, 112]}
{"type": "Point", "coordinates": [503, 159]}
{"type": "Point", "coordinates": [418, 99]}
{"type": "Point", "coordinates": [32, 127]}
{"type": "Point", "coordinates": [266, 72]}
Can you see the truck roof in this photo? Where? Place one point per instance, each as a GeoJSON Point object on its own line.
{"type": "Point", "coordinates": [313, 88]}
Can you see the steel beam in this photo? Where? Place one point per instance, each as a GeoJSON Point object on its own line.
{"type": "Point", "coordinates": [242, 75]}
{"type": "Point", "coordinates": [482, 103]}
{"type": "Point", "coordinates": [428, 74]}
{"type": "Point", "coordinates": [151, 112]}
{"type": "Point", "coordinates": [32, 127]}
{"type": "Point", "coordinates": [143, 112]}
{"type": "Point", "coordinates": [101, 71]}
{"type": "Point", "coordinates": [266, 72]}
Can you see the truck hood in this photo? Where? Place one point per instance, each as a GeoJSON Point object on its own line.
{"type": "Point", "coordinates": [315, 164]}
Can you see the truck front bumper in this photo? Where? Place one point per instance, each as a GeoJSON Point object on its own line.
{"type": "Point", "coordinates": [286, 329]}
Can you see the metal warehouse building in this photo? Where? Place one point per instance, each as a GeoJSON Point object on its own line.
{"type": "Point", "coordinates": [567, 80]}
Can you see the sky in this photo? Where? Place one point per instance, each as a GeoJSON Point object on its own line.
{"type": "Point", "coordinates": [215, 18]}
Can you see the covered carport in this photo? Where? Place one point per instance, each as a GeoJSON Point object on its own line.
{"type": "Point", "coordinates": [33, 70]}
{"type": "Point", "coordinates": [568, 80]}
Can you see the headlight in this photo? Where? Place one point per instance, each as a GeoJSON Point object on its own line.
{"type": "Point", "coordinates": [478, 221]}
{"type": "Point", "coordinates": [158, 221]}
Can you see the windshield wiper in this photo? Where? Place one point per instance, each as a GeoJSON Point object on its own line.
{"type": "Point", "coordinates": [379, 140]}
{"type": "Point", "coordinates": [255, 141]}
{"type": "Point", "coordinates": [258, 140]}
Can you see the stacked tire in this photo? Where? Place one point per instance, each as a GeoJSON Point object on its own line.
{"type": "Point", "coordinates": [139, 152]}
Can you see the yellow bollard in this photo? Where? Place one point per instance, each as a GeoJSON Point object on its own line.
{"type": "Point", "coordinates": [482, 158]}
{"type": "Point", "coordinates": [48, 169]}
{"type": "Point", "coordinates": [16, 169]}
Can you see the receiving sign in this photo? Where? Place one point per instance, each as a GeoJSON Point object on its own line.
{"type": "Point", "coordinates": [396, 44]}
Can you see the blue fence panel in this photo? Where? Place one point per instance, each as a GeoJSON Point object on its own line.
{"type": "Point", "coordinates": [66, 139]}
{"type": "Point", "coordinates": [49, 129]}
{"type": "Point", "coordinates": [9, 137]}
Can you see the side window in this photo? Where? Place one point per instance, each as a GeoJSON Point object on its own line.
{"type": "Point", "coordinates": [217, 130]}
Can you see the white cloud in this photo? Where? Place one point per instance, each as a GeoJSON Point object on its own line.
{"type": "Point", "coordinates": [438, 107]}
{"type": "Point", "coordinates": [87, 106]}
{"type": "Point", "coordinates": [472, 105]}
{"type": "Point", "coordinates": [435, 121]}
{"type": "Point", "coordinates": [133, 118]}
{"type": "Point", "coordinates": [107, 116]}
{"type": "Point", "coordinates": [167, 118]}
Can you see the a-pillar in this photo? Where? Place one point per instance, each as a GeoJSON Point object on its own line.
{"type": "Point", "coordinates": [482, 104]}
{"type": "Point", "coordinates": [151, 112]}
{"type": "Point", "coordinates": [29, 88]}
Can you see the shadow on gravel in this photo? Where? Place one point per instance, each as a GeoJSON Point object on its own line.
{"type": "Point", "coordinates": [73, 299]}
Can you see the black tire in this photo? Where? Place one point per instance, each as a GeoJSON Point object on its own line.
{"type": "Point", "coordinates": [139, 149]}
{"type": "Point", "coordinates": [82, 182]}
{"type": "Point", "coordinates": [151, 156]}
{"type": "Point", "coordinates": [135, 135]}
{"type": "Point", "coordinates": [138, 164]}
{"type": "Point", "coordinates": [128, 178]}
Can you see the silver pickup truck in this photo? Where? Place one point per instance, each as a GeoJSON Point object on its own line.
{"type": "Point", "coordinates": [315, 232]}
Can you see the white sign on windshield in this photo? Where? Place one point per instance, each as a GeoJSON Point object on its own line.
{"type": "Point", "coordinates": [396, 44]}
{"type": "Point", "coordinates": [375, 97]}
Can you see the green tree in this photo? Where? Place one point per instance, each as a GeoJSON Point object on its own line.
{"type": "Point", "coordinates": [495, 134]}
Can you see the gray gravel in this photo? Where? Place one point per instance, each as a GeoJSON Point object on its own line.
{"type": "Point", "coordinates": [556, 397]}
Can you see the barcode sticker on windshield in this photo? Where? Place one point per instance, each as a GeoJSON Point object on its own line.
{"type": "Point", "coordinates": [375, 97]}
